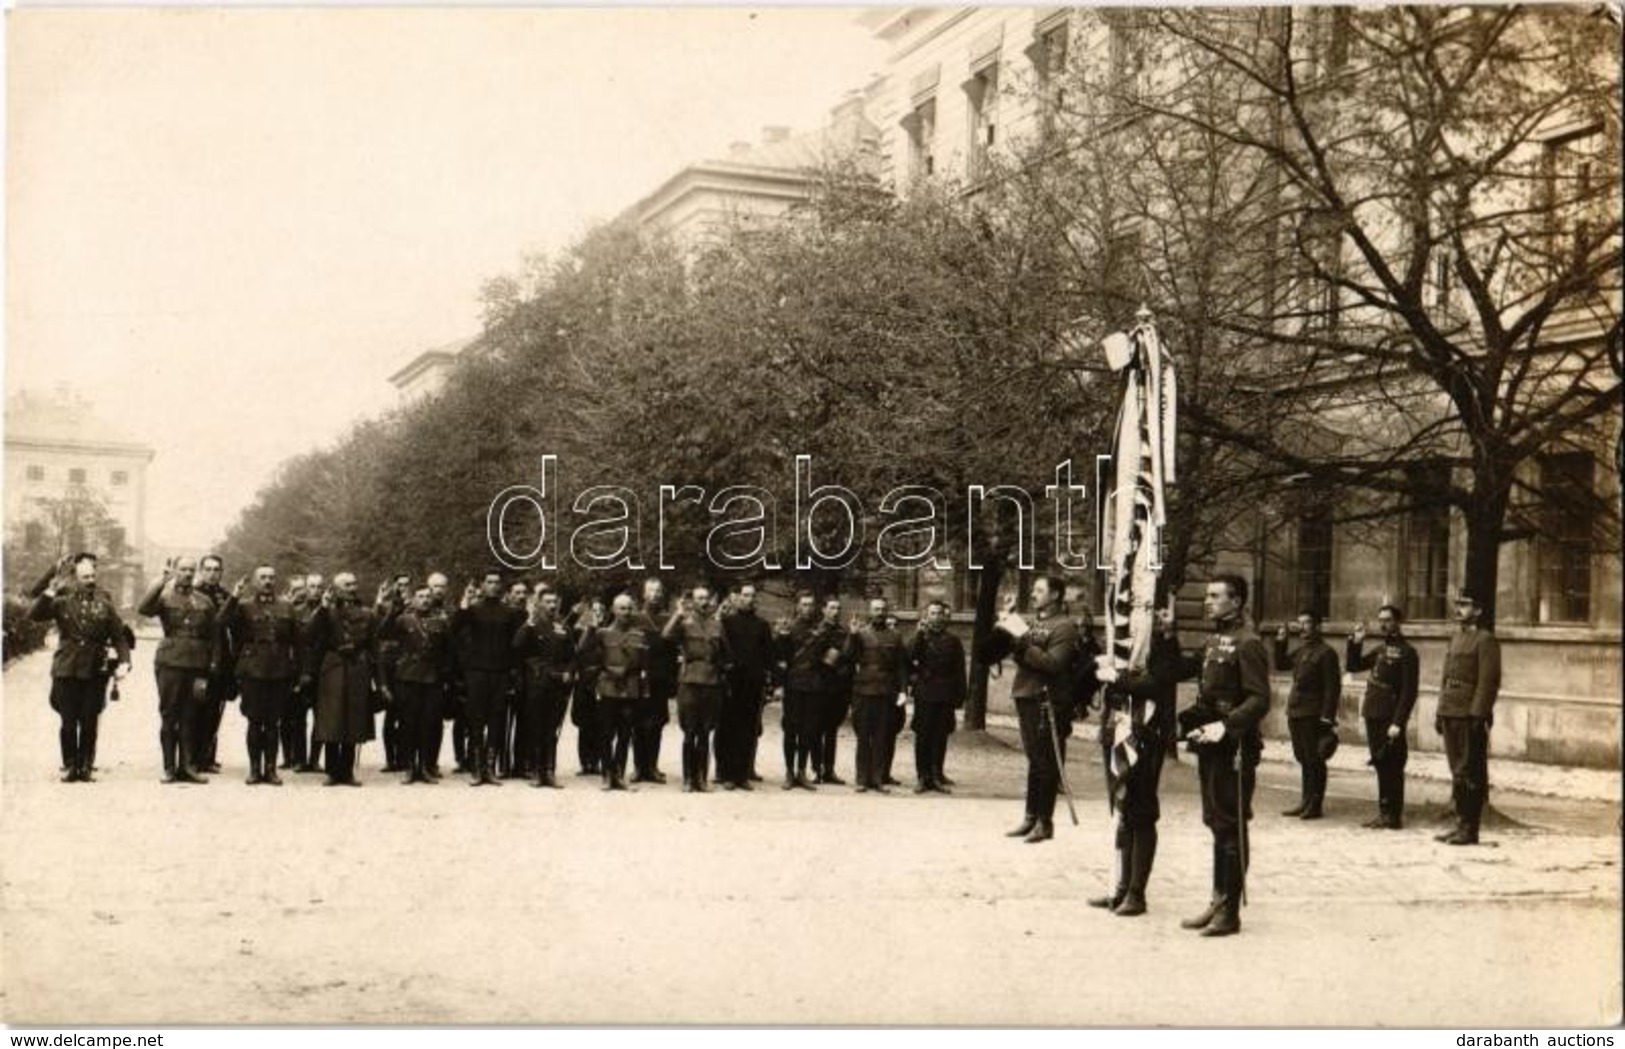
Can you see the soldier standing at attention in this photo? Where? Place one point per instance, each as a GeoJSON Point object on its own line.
{"type": "Point", "coordinates": [584, 700]}
{"type": "Point", "coordinates": [1390, 696]}
{"type": "Point", "coordinates": [937, 669]}
{"type": "Point", "coordinates": [435, 731]}
{"type": "Point", "coordinates": [1223, 726]}
{"type": "Point", "coordinates": [186, 659]}
{"type": "Point", "coordinates": [1311, 712]}
{"type": "Point", "coordinates": [753, 654]}
{"type": "Point", "coordinates": [264, 632]}
{"type": "Point", "coordinates": [809, 652]}
{"type": "Point", "coordinates": [879, 683]}
{"type": "Point", "coordinates": [1472, 681]}
{"type": "Point", "coordinates": [300, 746]}
{"type": "Point", "coordinates": [619, 653]}
{"type": "Point", "coordinates": [653, 706]}
{"type": "Point", "coordinates": [703, 650]}
{"type": "Point", "coordinates": [482, 634]}
{"type": "Point", "coordinates": [421, 635]}
{"type": "Point", "coordinates": [835, 701]}
{"type": "Point", "coordinates": [87, 624]}
{"type": "Point", "coordinates": [341, 660]}
{"type": "Point", "coordinates": [512, 757]}
{"type": "Point", "coordinates": [392, 597]}
{"type": "Point", "coordinates": [222, 685]}
{"type": "Point", "coordinates": [546, 651]}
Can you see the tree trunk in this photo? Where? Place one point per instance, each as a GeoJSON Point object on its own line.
{"type": "Point", "coordinates": [1485, 521]}
{"type": "Point", "coordinates": [987, 601]}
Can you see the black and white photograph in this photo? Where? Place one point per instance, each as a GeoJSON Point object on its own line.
{"type": "Point", "coordinates": [810, 516]}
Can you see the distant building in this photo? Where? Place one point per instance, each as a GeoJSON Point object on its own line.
{"type": "Point", "coordinates": [72, 483]}
{"type": "Point", "coordinates": [754, 184]}
{"type": "Point", "coordinates": [425, 374]}
{"type": "Point", "coordinates": [757, 182]}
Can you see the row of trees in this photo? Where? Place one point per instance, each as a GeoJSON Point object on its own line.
{"type": "Point", "coordinates": [1363, 233]}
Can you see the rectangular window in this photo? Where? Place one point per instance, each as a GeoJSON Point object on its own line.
{"type": "Point", "coordinates": [36, 472]}
{"type": "Point", "coordinates": [115, 541]}
{"type": "Point", "coordinates": [120, 478]}
{"type": "Point", "coordinates": [1049, 57]}
{"type": "Point", "coordinates": [76, 476]}
{"type": "Point", "coordinates": [921, 125]}
{"type": "Point", "coordinates": [1427, 544]}
{"type": "Point", "coordinates": [981, 96]}
{"type": "Point", "coordinates": [1577, 199]}
{"type": "Point", "coordinates": [1314, 575]}
{"type": "Point", "coordinates": [1563, 551]}
{"type": "Point", "coordinates": [33, 536]}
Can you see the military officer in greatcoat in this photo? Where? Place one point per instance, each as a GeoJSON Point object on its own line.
{"type": "Point", "coordinates": [1472, 682]}
{"type": "Point", "coordinates": [879, 685]}
{"type": "Point", "coordinates": [263, 630]}
{"type": "Point", "coordinates": [1043, 650]}
{"type": "Point", "coordinates": [440, 609]}
{"type": "Point", "coordinates": [702, 651]}
{"type": "Point", "coordinates": [187, 658]}
{"type": "Point", "coordinates": [546, 652]}
{"type": "Point", "coordinates": [341, 662]}
{"type": "Point", "coordinates": [1223, 726]}
{"type": "Point", "coordinates": [1390, 696]}
{"type": "Point", "coordinates": [1311, 711]}
{"type": "Point", "coordinates": [87, 625]}
{"type": "Point", "coordinates": [937, 670]}
{"type": "Point", "coordinates": [421, 634]}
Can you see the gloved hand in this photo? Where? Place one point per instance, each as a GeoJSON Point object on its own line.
{"type": "Point", "coordinates": [1212, 732]}
{"type": "Point", "coordinates": [1394, 731]}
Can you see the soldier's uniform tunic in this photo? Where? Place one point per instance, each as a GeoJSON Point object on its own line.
{"type": "Point", "coordinates": [1472, 682]}
{"type": "Point", "coordinates": [186, 658]}
{"type": "Point", "coordinates": [483, 636]}
{"type": "Point", "coordinates": [1317, 685]}
{"type": "Point", "coordinates": [1390, 696]}
{"type": "Point", "coordinates": [810, 652]}
{"type": "Point", "coordinates": [87, 624]}
{"type": "Point", "coordinates": [937, 668]}
{"type": "Point", "coordinates": [739, 725]}
{"type": "Point", "coordinates": [1235, 688]}
{"type": "Point", "coordinates": [264, 632]}
{"type": "Point", "coordinates": [298, 746]}
{"type": "Point", "coordinates": [1043, 704]}
{"type": "Point", "coordinates": [222, 686]}
{"type": "Point", "coordinates": [652, 708]}
{"type": "Point", "coordinates": [422, 643]}
{"type": "Point", "coordinates": [546, 650]}
{"type": "Point", "coordinates": [703, 651]}
{"type": "Point", "coordinates": [879, 672]}
{"type": "Point", "coordinates": [621, 658]}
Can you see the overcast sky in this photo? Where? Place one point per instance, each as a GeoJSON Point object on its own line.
{"type": "Point", "coordinates": [228, 227]}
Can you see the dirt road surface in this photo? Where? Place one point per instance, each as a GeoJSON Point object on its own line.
{"type": "Point", "coordinates": [127, 901]}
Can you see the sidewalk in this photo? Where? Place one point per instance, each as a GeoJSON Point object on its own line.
{"type": "Point", "coordinates": [1506, 774]}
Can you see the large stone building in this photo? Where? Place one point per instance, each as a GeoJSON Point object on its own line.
{"type": "Point", "coordinates": [72, 483]}
{"type": "Point", "coordinates": [754, 184]}
{"type": "Point", "coordinates": [962, 84]}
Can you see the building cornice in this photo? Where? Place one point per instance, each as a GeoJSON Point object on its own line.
{"type": "Point", "coordinates": [121, 449]}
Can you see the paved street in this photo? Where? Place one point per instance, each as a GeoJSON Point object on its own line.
{"type": "Point", "coordinates": [129, 901]}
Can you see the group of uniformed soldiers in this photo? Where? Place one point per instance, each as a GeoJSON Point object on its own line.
{"type": "Point", "coordinates": [506, 664]}
{"type": "Point", "coordinates": [1054, 653]}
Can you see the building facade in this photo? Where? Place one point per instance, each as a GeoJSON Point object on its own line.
{"type": "Point", "coordinates": [73, 484]}
{"type": "Point", "coordinates": [963, 85]}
